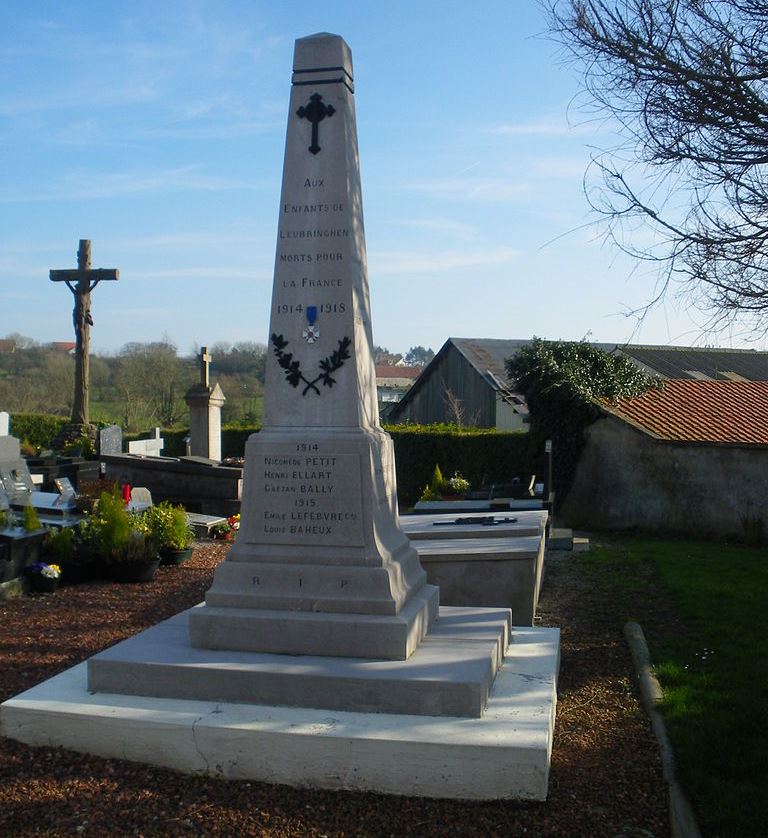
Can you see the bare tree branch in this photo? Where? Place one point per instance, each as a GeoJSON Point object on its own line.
{"type": "Point", "coordinates": [687, 82]}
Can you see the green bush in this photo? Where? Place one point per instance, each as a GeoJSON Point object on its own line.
{"type": "Point", "coordinates": [482, 456]}
{"type": "Point", "coordinates": [37, 429]}
{"type": "Point", "coordinates": [169, 525]}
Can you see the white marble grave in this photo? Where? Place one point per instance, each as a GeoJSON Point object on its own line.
{"type": "Point", "coordinates": [5, 421]}
{"type": "Point", "coordinates": [152, 447]}
{"type": "Point", "coordinates": [320, 656]}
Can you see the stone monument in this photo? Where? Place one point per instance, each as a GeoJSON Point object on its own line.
{"type": "Point", "coordinates": [320, 565]}
{"type": "Point", "coordinates": [320, 657]}
{"type": "Point", "coordinates": [205, 403]}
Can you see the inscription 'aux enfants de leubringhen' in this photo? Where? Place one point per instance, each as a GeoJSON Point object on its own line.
{"type": "Point", "coordinates": [292, 368]}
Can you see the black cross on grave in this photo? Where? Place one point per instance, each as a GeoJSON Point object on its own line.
{"type": "Point", "coordinates": [315, 111]}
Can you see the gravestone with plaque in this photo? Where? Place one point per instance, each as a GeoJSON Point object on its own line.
{"type": "Point", "coordinates": [111, 440]}
{"type": "Point", "coordinates": [320, 565]}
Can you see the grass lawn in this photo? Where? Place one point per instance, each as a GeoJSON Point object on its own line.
{"type": "Point", "coordinates": [704, 610]}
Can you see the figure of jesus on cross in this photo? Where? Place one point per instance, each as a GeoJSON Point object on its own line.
{"type": "Point", "coordinates": [81, 282]}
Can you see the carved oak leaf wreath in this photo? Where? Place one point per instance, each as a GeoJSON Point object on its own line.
{"type": "Point", "coordinates": [292, 368]}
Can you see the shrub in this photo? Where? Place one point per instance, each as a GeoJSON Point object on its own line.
{"type": "Point", "coordinates": [482, 456]}
{"type": "Point", "coordinates": [30, 520]}
{"type": "Point", "coordinates": [168, 524]}
{"type": "Point", "coordinates": [36, 429]}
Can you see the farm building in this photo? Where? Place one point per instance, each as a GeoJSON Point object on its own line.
{"type": "Point", "coordinates": [466, 382]}
{"type": "Point", "coordinates": [689, 458]}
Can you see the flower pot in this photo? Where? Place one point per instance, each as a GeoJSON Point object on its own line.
{"type": "Point", "coordinates": [169, 556]}
{"type": "Point", "coordinates": [75, 573]}
{"type": "Point", "coordinates": [43, 584]}
{"type": "Point", "coordinates": [142, 571]}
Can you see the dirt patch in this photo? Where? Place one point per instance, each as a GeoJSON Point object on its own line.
{"type": "Point", "coordinates": [606, 773]}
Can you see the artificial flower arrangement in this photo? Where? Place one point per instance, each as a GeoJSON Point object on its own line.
{"type": "Point", "coordinates": [47, 571]}
{"type": "Point", "coordinates": [438, 487]}
{"type": "Point", "coordinates": [44, 577]}
{"type": "Point", "coordinates": [226, 530]}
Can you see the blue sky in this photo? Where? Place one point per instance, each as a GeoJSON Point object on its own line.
{"type": "Point", "coordinates": [157, 130]}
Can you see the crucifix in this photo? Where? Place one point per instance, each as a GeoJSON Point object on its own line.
{"type": "Point", "coordinates": [81, 281]}
{"type": "Point", "coordinates": [316, 111]}
{"type": "Point", "coordinates": [205, 365]}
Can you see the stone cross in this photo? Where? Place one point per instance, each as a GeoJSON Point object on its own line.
{"type": "Point", "coordinates": [81, 281]}
{"type": "Point", "coordinates": [205, 366]}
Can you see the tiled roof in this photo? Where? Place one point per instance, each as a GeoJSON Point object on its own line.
{"type": "Point", "coordinates": [700, 411]}
{"type": "Point", "coordinates": [394, 371]}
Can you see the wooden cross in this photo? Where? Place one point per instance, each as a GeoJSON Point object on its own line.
{"type": "Point", "coordinates": [205, 364]}
{"type": "Point", "coordinates": [81, 282]}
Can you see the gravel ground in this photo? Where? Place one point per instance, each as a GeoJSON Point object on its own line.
{"type": "Point", "coordinates": [605, 779]}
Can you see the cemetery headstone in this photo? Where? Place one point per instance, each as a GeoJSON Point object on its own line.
{"type": "Point", "coordinates": [205, 402]}
{"type": "Point", "coordinates": [152, 447]}
{"type": "Point", "coordinates": [5, 421]}
{"type": "Point", "coordinates": [14, 473]}
{"type": "Point", "coordinates": [111, 440]}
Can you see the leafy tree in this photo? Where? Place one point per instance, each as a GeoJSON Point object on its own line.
{"type": "Point", "coordinates": [151, 381]}
{"type": "Point", "coordinates": [687, 82]}
{"type": "Point", "coordinates": [383, 357]}
{"type": "Point", "coordinates": [562, 383]}
{"type": "Point", "coordinates": [418, 356]}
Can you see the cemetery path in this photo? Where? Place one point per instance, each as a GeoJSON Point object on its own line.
{"type": "Point", "coordinates": [606, 773]}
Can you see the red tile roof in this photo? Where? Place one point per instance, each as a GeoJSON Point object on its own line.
{"type": "Point", "coordinates": [700, 411]}
{"type": "Point", "coordinates": [393, 371]}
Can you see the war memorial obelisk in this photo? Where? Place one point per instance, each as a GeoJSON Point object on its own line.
{"type": "Point", "coordinates": [320, 656]}
{"type": "Point", "coordinates": [320, 565]}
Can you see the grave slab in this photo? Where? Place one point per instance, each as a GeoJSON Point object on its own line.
{"type": "Point", "coordinates": [474, 525]}
{"type": "Point", "coordinates": [503, 755]}
{"type": "Point", "coordinates": [487, 572]}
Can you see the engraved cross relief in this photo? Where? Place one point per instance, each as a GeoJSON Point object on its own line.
{"type": "Point", "coordinates": [315, 111]}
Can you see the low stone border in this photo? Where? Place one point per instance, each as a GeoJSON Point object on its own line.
{"type": "Point", "coordinates": [682, 818]}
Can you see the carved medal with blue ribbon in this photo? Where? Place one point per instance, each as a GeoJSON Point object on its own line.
{"type": "Point", "coordinates": [311, 333]}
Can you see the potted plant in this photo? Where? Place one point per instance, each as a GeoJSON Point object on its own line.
{"type": "Point", "coordinates": [44, 577]}
{"type": "Point", "coordinates": [226, 530]}
{"type": "Point", "coordinates": [169, 526]}
{"type": "Point", "coordinates": [122, 541]}
{"type": "Point", "coordinates": [63, 547]}
{"type": "Point", "coordinates": [456, 487]}
{"type": "Point", "coordinates": [30, 519]}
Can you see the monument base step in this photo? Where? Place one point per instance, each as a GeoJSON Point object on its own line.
{"type": "Point", "coordinates": [450, 674]}
{"type": "Point", "coordinates": [284, 632]}
{"type": "Point", "coordinates": [504, 754]}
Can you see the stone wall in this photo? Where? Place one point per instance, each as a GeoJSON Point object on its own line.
{"type": "Point", "coordinates": [201, 487]}
{"type": "Point", "coordinates": [629, 479]}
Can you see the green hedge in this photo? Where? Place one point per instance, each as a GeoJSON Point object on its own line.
{"type": "Point", "coordinates": [38, 429]}
{"type": "Point", "coordinates": [482, 456]}
{"type": "Point", "coordinates": [233, 440]}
